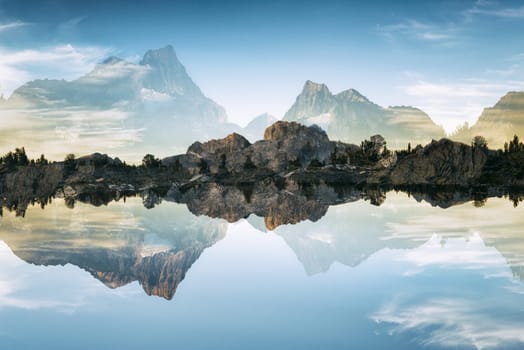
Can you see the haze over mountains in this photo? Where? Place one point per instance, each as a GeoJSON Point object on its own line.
{"type": "Point", "coordinates": [499, 123]}
{"type": "Point", "coordinates": [351, 117]}
{"type": "Point", "coordinates": [154, 106]}
{"type": "Point", "coordinates": [119, 107]}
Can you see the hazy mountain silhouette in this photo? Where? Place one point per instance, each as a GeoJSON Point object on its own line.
{"type": "Point", "coordinates": [121, 107]}
{"type": "Point", "coordinates": [129, 109]}
{"type": "Point", "coordinates": [351, 117]}
{"type": "Point", "coordinates": [498, 124]}
{"type": "Point", "coordinates": [255, 129]}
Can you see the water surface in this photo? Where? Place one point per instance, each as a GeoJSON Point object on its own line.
{"type": "Point", "coordinates": [402, 275]}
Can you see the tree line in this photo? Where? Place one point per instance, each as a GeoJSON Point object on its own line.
{"type": "Point", "coordinates": [19, 158]}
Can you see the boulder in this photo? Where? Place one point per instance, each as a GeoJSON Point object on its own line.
{"type": "Point", "coordinates": [443, 162]}
{"type": "Point", "coordinates": [228, 144]}
{"type": "Point", "coordinates": [301, 144]}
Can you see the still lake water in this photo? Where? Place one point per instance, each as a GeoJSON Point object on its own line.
{"type": "Point", "coordinates": [404, 275]}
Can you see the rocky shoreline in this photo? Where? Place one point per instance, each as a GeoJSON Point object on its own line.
{"type": "Point", "coordinates": [291, 157]}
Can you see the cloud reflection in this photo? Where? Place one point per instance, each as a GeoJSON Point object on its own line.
{"type": "Point", "coordinates": [453, 323]}
{"type": "Point", "coordinates": [472, 302]}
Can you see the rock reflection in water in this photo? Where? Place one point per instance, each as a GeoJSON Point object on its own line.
{"type": "Point", "coordinates": [125, 242]}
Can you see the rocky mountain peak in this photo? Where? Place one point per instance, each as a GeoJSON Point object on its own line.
{"type": "Point", "coordinates": [352, 95]}
{"type": "Point", "coordinates": [165, 55]}
{"type": "Point", "coordinates": [312, 88]}
{"type": "Point", "coordinates": [167, 74]}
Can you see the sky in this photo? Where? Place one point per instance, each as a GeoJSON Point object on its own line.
{"type": "Point", "coordinates": [449, 58]}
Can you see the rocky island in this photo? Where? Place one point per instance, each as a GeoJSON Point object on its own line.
{"type": "Point", "coordinates": [295, 167]}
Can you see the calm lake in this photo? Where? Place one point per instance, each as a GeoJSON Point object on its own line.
{"type": "Point", "coordinates": [402, 275]}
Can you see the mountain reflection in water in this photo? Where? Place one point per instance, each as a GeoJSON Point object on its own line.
{"type": "Point", "coordinates": [121, 243]}
{"type": "Point", "coordinates": [149, 239]}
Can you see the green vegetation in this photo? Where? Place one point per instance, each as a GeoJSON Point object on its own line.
{"type": "Point", "coordinates": [11, 160]}
{"type": "Point", "coordinates": [505, 164]}
{"type": "Point", "coordinates": [514, 146]}
{"type": "Point", "coordinates": [16, 158]}
{"type": "Point", "coordinates": [149, 161]}
{"type": "Point", "coordinates": [479, 142]}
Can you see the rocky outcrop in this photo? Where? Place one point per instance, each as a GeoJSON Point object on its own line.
{"type": "Point", "coordinates": [213, 155]}
{"type": "Point", "coordinates": [288, 152]}
{"type": "Point", "coordinates": [29, 185]}
{"type": "Point", "coordinates": [285, 145]}
{"type": "Point", "coordinates": [231, 143]}
{"type": "Point", "coordinates": [441, 162]}
{"type": "Point", "coordinates": [297, 144]}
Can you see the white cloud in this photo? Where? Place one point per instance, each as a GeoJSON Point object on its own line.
{"type": "Point", "coordinates": [416, 30]}
{"type": "Point", "coordinates": [449, 313]}
{"type": "Point", "coordinates": [103, 74]}
{"type": "Point", "coordinates": [60, 62]}
{"type": "Point", "coordinates": [452, 323]}
{"type": "Point", "coordinates": [4, 27]}
{"type": "Point", "coordinates": [488, 8]}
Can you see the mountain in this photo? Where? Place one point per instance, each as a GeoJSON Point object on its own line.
{"type": "Point", "coordinates": [121, 107]}
{"type": "Point", "coordinates": [498, 124]}
{"type": "Point", "coordinates": [159, 77]}
{"type": "Point", "coordinates": [351, 117]}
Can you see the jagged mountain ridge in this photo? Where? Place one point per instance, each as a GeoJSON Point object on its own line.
{"type": "Point", "coordinates": [351, 117]}
{"type": "Point", "coordinates": [154, 106]}
{"type": "Point", "coordinates": [159, 75]}
{"type": "Point", "coordinates": [120, 107]}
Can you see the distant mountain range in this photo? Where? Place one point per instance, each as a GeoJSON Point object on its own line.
{"type": "Point", "coordinates": [498, 124]}
{"type": "Point", "coordinates": [154, 106]}
{"type": "Point", "coordinates": [351, 117]}
{"type": "Point", "coordinates": [119, 107]}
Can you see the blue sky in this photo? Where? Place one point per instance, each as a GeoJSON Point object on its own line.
{"type": "Point", "coordinates": [450, 58]}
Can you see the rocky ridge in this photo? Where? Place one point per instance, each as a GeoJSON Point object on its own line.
{"type": "Point", "coordinates": [289, 154]}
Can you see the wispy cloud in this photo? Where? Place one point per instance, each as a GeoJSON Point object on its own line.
{"type": "Point", "coordinates": [417, 30]}
{"type": "Point", "coordinates": [60, 131]}
{"type": "Point", "coordinates": [4, 27]}
{"type": "Point", "coordinates": [452, 323]}
{"type": "Point", "coordinates": [460, 316]}
{"type": "Point", "coordinates": [103, 74]}
{"type": "Point", "coordinates": [489, 8]}
{"type": "Point", "coordinates": [61, 61]}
